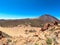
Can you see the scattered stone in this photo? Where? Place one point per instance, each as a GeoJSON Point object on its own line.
{"type": "Point", "coordinates": [35, 35]}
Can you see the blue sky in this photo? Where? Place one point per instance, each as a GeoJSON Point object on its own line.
{"type": "Point", "coordinates": [17, 9]}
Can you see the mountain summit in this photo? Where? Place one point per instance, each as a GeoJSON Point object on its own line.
{"type": "Point", "coordinates": [47, 18]}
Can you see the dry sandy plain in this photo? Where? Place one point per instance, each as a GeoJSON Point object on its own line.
{"type": "Point", "coordinates": [27, 35]}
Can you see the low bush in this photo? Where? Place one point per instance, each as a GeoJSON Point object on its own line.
{"type": "Point", "coordinates": [49, 41]}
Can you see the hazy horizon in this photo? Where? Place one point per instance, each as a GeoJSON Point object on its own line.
{"type": "Point", "coordinates": [27, 17]}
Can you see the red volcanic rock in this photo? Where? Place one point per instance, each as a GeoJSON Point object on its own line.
{"type": "Point", "coordinates": [55, 23]}
{"type": "Point", "coordinates": [42, 29]}
{"type": "Point", "coordinates": [1, 36]}
{"type": "Point", "coordinates": [45, 27]}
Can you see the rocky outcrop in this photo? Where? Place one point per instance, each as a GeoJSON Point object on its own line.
{"type": "Point", "coordinates": [3, 40]}
{"type": "Point", "coordinates": [47, 25]}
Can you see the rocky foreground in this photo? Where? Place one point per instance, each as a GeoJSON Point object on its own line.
{"type": "Point", "coordinates": [47, 35]}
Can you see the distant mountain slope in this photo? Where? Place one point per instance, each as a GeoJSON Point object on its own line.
{"type": "Point", "coordinates": [47, 18]}
{"type": "Point", "coordinates": [33, 22]}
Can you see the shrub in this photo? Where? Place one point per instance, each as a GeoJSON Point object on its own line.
{"type": "Point", "coordinates": [32, 30]}
{"type": "Point", "coordinates": [49, 41]}
{"type": "Point", "coordinates": [36, 44]}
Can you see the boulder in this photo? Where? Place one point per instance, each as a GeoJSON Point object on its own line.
{"type": "Point", "coordinates": [45, 27]}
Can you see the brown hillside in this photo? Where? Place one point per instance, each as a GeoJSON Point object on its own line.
{"type": "Point", "coordinates": [37, 22]}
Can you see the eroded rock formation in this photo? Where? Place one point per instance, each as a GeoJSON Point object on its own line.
{"type": "Point", "coordinates": [47, 25]}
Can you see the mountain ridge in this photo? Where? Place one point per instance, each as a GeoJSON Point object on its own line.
{"type": "Point", "coordinates": [33, 22]}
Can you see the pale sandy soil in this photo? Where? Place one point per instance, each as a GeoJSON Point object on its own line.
{"type": "Point", "coordinates": [17, 31]}
{"type": "Point", "coordinates": [21, 37]}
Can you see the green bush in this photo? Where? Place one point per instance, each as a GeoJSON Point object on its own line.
{"type": "Point", "coordinates": [36, 44]}
{"type": "Point", "coordinates": [49, 41]}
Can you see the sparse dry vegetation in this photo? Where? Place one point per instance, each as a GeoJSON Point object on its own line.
{"type": "Point", "coordinates": [34, 37]}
